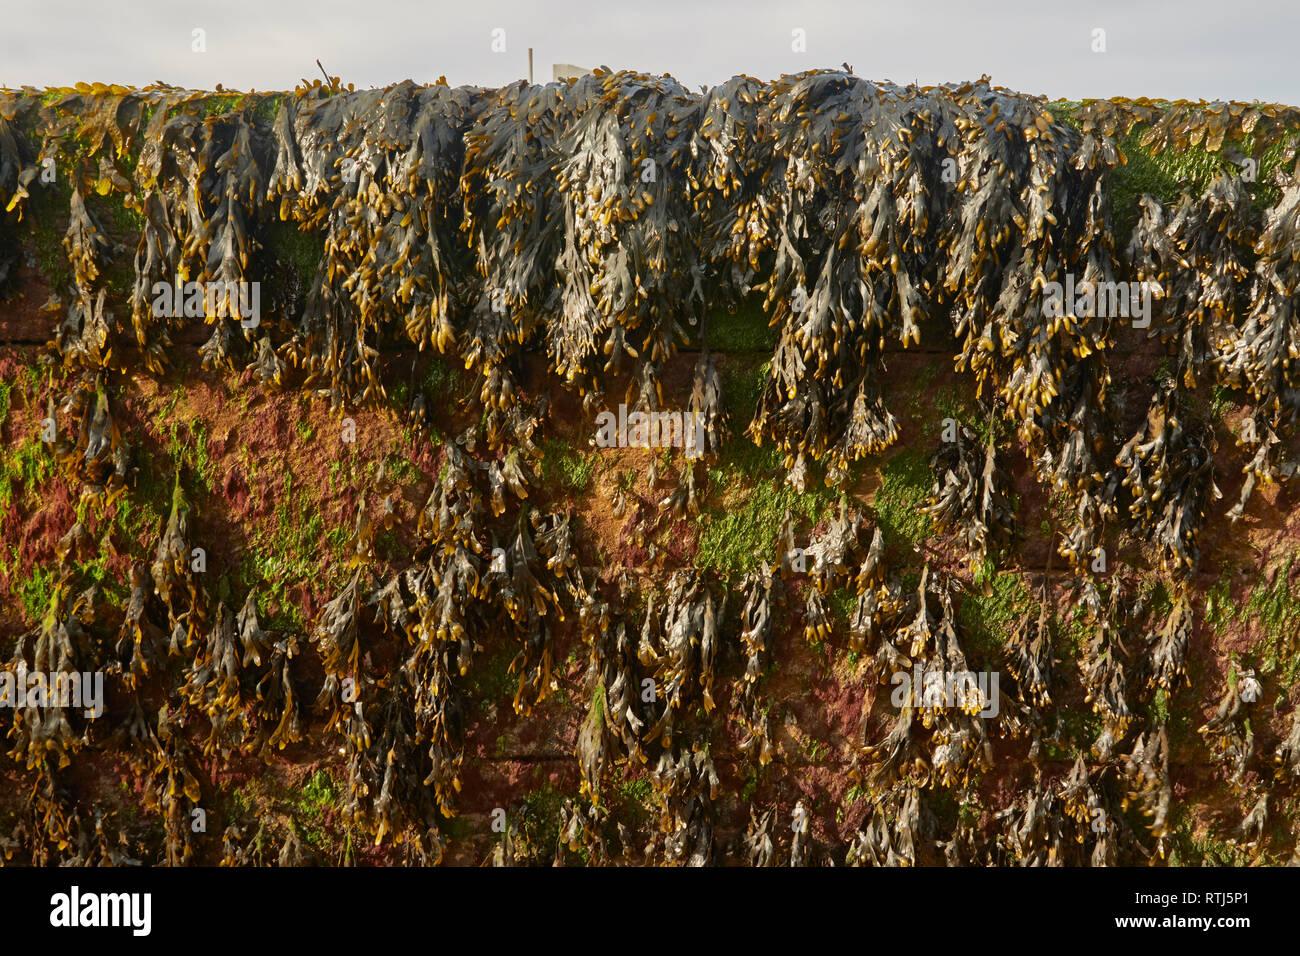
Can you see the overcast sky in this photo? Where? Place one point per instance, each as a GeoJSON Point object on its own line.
{"type": "Point", "coordinates": [1195, 49]}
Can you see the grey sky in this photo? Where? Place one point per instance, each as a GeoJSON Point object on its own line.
{"type": "Point", "coordinates": [1194, 49]}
